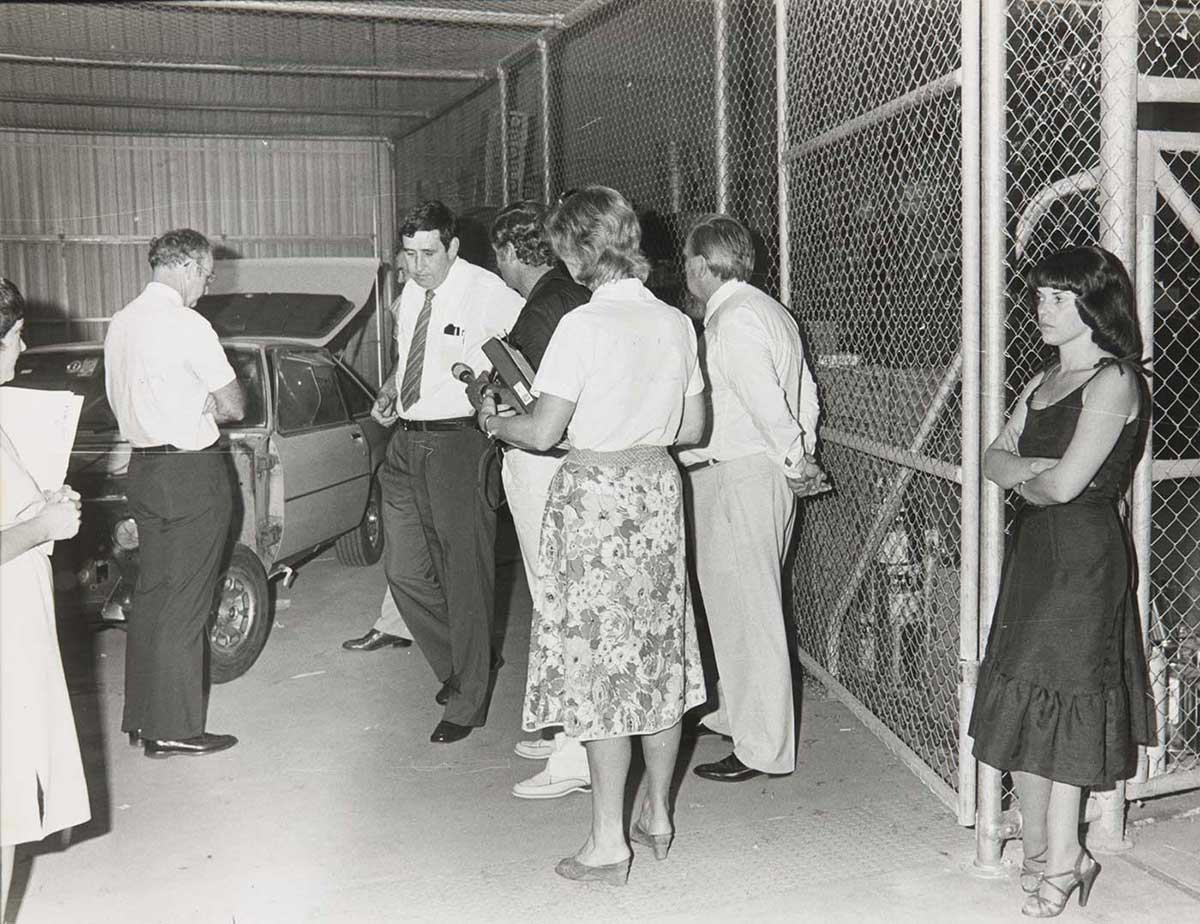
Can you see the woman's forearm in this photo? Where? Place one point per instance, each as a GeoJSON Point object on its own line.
{"type": "Point", "coordinates": [19, 538]}
{"type": "Point", "coordinates": [520, 430]}
{"type": "Point", "coordinates": [1005, 468]}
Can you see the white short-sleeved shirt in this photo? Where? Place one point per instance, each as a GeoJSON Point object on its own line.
{"type": "Point", "coordinates": [764, 398]}
{"type": "Point", "coordinates": [627, 360]}
{"type": "Point", "coordinates": [161, 362]}
{"type": "Point", "coordinates": [470, 307]}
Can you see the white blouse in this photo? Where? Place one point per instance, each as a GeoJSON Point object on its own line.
{"type": "Point", "coordinates": [627, 360]}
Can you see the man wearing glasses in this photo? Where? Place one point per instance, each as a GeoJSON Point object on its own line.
{"type": "Point", "coordinates": [169, 385]}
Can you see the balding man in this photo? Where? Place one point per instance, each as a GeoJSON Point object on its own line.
{"type": "Point", "coordinates": [744, 483]}
{"type": "Point", "coordinates": [169, 385]}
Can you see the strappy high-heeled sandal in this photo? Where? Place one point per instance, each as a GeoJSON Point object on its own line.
{"type": "Point", "coordinates": [1032, 869]}
{"type": "Point", "coordinates": [1038, 906]}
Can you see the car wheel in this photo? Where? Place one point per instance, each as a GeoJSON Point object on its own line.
{"type": "Point", "coordinates": [241, 619]}
{"type": "Point", "coordinates": [363, 545]}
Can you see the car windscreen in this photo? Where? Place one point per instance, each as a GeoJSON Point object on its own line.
{"type": "Point", "coordinates": [82, 372]}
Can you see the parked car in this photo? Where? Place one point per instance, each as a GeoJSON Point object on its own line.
{"type": "Point", "coordinates": [305, 455]}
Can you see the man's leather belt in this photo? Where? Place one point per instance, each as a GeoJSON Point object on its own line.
{"type": "Point", "coordinates": [445, 423]}
{"type": "Point", "coordinates": [164, 447]}
{"type": "Point", "coordinates": [696, 466]}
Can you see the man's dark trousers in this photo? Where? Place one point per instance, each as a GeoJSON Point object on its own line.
{"type": "Point", "coordinates": [182, 503]}
{"type": "Point", "coordinates": [440, 556]}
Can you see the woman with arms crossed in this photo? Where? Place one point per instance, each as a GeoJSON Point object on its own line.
{"type": "Point", "coordinates": [1061, 702]}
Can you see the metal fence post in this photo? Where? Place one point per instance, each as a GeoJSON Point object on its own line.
{"type": "Point", "coordinates": [1151, 760]}
{"type": "Point", "coordinates": [989, 831]}
{"type": "Point", "coordinates": [721, 102]}
{"type": "Point", "coordinates": [502, 88]}
{"type": "Point", "coordinates": [1118, 225]}
{"type": "Point", "coordinates": [781, 146]}
{"type": "Point", "coordinates": [543, 48]}
{"type": "Point", "coordinates": [968, 631]}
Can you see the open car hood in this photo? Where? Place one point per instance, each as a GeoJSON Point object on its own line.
{"type": "Point", "coordinates": [304, 298]}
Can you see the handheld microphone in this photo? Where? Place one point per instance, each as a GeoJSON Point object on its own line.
{"type": "Point", "coordinates": [463, 373]}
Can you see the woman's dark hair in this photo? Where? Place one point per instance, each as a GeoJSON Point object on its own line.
{"type": "Point", "coordinates": [1103, 291]}
{"type": "Point", "coordinates": [12, 306]}
{"type": "Point", "coordinates": [598, 230]}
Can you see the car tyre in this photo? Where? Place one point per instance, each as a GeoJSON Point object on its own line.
{"type": "Point", "coordinates": [241, 618]}
{"type": "Point", "coordinates": [363, 545]}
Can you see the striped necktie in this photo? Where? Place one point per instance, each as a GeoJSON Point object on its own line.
{"type": "Point", "coordinates": [410, 387]}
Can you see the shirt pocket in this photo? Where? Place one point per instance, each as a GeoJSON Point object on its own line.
{"type": "Point", "coordinates": [451, 347]}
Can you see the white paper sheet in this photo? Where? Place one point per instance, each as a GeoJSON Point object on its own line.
{"type": "Point", "coordinates": [41, 425]}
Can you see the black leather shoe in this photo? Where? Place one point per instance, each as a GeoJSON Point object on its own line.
{"type": "Point", "coordinates": [374, 640]}
{"type": "Point", "coordinates": [135, 738]}
{"type": "Point", "coordinates": [447, 732]}
{"type": "Point", "coordinates": [726, 770]}
{"type": "Point", "coordinates": [189, 747]}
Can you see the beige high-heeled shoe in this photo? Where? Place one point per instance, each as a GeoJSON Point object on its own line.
{"type": "Point", "coordinates": [616, 874]}
{"type": "Point", "coordinates": [660, 843]}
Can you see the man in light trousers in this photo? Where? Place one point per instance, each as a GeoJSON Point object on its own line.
{"type": "Point", "coordinates": [744, 482]}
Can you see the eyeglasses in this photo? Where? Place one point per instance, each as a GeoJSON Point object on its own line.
{"type": "Point", "coordinates": [208, 273]}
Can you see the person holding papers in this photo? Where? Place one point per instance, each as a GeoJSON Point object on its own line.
{"type": "Point", "coordinates": [39, 751]}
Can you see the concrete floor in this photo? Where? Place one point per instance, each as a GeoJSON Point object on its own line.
{"type": "Point", "coordinates": [336, 808]}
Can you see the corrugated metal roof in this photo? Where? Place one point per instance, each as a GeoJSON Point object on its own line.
{"type": "Point", "coordinates": [301, 68]}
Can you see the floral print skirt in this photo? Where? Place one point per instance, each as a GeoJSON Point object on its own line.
{"type": "Point", "coordinates": [613, 647]}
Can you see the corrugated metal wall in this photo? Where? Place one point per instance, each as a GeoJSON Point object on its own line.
{"type": "Point", "coordinates": [77, 210]}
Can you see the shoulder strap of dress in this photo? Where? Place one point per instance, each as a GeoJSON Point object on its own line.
{"type": "Point", "coordinates": [1043, 372]}
{"type": "Point", "coordinates": [1135, 364]}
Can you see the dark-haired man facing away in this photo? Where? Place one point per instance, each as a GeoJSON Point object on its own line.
{"type": "Point", "coordinates": [527, 263]}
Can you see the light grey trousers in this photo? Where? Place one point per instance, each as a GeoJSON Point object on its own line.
{"type": "Point", "coordinates": [743, 513]}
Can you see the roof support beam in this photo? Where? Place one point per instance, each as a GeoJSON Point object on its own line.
{"type": "Point", "coordinates": [286, 70]}
{"type": "Point", "coordinates": [383, 11]}
{"type": "Point", "coordinates": [99, 102]}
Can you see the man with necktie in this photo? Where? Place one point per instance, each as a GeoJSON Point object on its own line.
{"type": "Point", "coordinates": [438, 517]}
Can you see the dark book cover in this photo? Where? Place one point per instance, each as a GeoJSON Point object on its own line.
{"type": "Point", "coordinates": [513, 372]}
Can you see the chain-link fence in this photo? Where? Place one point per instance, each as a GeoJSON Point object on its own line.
{"type": "Point", "coordinates": [1172, 161]}
{"type": "Point", "coordinates": [874, 178]}
{"type": "Point", "coordinates": [637, 99]}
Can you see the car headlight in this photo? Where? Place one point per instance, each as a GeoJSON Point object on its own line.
{"type": "Point", "coordinates": [125, 534]}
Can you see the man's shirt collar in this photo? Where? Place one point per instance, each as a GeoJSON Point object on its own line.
{"type": "Point", "coordinates": [717, 298]}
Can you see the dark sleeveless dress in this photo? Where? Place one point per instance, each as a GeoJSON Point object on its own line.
{"type": "Point", "coordinates": [1062, 689]}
